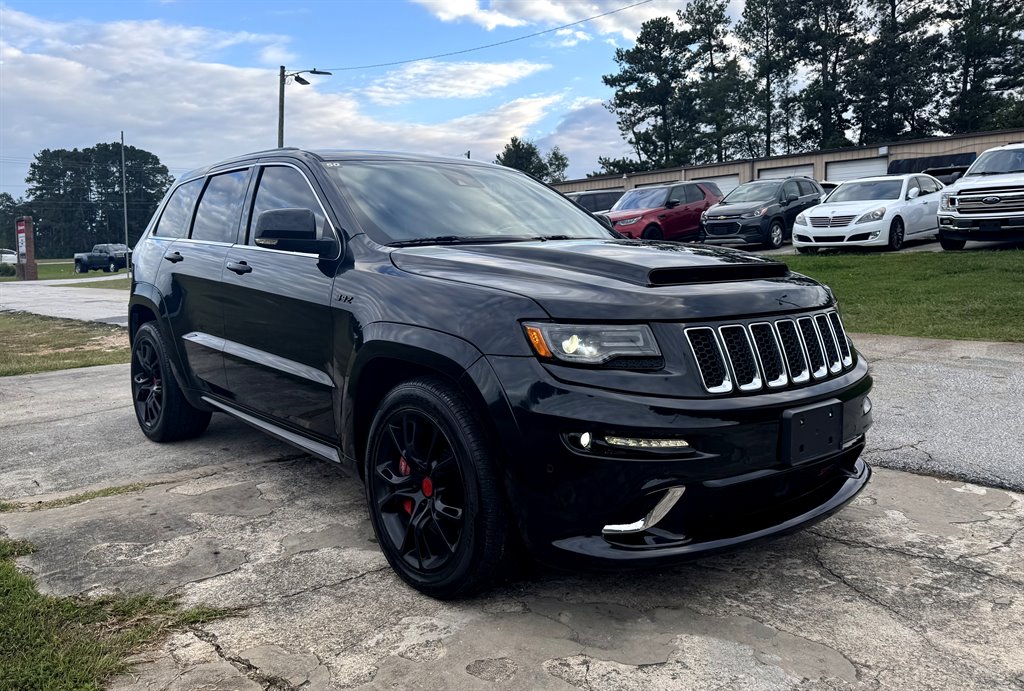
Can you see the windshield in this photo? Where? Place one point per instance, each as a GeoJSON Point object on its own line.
{"type": "Point", "coordinates": [997, 162]}
{"type": "Point", "coordinates": [402, 201]}
{"type": "Point", "coordinates": [866, 191]}
{"type": "Point", "coordinates": [754, 192]}
{"type": "Point", "coordinates": [650, 198]}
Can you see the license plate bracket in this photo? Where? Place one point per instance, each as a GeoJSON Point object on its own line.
{"type": "Point", "coordinates": [812, 431]}
{"type": "Point", "coordinates": [990, 226]}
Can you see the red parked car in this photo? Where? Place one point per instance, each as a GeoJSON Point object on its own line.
{"type": "Point", "coordinates": [666, 212]}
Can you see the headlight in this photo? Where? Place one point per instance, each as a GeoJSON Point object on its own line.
{"type": "Point", "coordinates": [870, 216]}
{"type": "Point", "coordinates": [703, 215]}
{"type": "Point", "coordinates": [801, 219]}
{"type": "Point", "coordinates": [591, 344]}
{"type": "Point", "coordinates": [944, 201]}
{"type": "Point", "coordinates": [755, 214]}
{"type": "Point", "coordinates": [628, 221]}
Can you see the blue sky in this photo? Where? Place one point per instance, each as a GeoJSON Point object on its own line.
{"type": "Point", "coordinates": [194, 82]}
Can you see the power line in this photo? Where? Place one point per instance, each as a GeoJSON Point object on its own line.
{"type": "Point", "coordinates": [489, 45]}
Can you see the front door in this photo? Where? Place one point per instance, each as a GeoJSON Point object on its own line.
{"type": "Point", "coordinates": [277, 315]}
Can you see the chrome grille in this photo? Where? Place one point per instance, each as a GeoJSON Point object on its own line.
{"type": "Point", "coordinates": [989, 200]}
{"type": "Point", "coordinates": [770, 354]}
{"type": "Point", "coordinates": [831, 221]}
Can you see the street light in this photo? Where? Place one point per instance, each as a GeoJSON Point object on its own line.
{"type": "Point", "coordinates": [297, 76]}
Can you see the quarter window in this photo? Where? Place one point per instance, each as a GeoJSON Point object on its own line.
{"type": "Point", "coordinates": [220, 208]}
{"type": "Point", "coordinates": [281, 187]}
{"type": "Point", "coordinates": [177, 213]}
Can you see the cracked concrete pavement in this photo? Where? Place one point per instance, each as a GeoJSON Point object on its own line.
{"type": "Point", "coordinates": [917, 584]}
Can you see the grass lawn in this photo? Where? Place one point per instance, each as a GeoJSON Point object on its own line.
{"type": "Point", "coordinates": [119, 284]}
{"type": "Point", "coordinates": [958, 295]}
{"type": "Point", "coordinates": [32, 343]}
{"type": "Point", "coordinates": [51, 268]}
{"type": "Point", "coordinates": [75, 643]}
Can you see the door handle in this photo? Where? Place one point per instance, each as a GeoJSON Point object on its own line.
{"type": "Point", "coordinates": [173, 257]}
{"type": "Point", "coordinates": [239, 267]}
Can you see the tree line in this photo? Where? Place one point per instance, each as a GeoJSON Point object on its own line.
{"type": "Point", "coordinates": [74, 197]}
{"type": "Point", "coordinates": [791, 77]}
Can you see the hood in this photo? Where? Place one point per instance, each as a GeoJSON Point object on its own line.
{"type": "Point", "coordinates": [627, 213]}
{"type": "Point", "coordinates": [737, 209]}
{"type": "Point", "coordinates": [622, 279]}
{"type": "Point", "coordinates": [850, 208]}
{"type": "Point", "coordinates": [984, 182]}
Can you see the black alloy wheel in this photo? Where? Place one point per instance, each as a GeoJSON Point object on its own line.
{"type": "Point", "coordinates": [896, 235]}
{"type": "Point", "coordinates": [435, 501]}
{"type": "Point", "coordinates": [163, 412]}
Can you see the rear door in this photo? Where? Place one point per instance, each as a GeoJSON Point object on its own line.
{"type": "Point", "coordinates": [278, 333]}
{"type": "Point", "coordinates": [915, 210]}
{"type": "Point", "coordinates": [195, 306]}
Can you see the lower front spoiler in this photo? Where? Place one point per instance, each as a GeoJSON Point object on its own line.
{"type": "Point", "coordinates": [597, 553]}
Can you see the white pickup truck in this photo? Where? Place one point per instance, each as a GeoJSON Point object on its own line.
{"type": "Point", "coordinates": [987, 203]}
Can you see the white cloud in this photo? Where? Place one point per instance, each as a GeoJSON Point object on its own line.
{"type": "Point", "coordinates": [455, 10]}
{"type": "Point", "coordinates": [432, 79]}
{"type": "Point", "coordinates": [571, 37]}
{"type": "Point", "coordinates": [586, 131]}
{"type": "Point", "coordinates": [553, 13]}
{"type": "Point", "coordinates": [277, 54]}
{"type": "Point", "coordinates": [72, 84]}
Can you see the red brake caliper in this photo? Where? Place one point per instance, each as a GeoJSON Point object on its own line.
{"type": "Point", "coordinates": [404, 470]}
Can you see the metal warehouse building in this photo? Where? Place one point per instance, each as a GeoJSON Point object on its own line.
{"type": "Point", "coordinates": [835, 165]}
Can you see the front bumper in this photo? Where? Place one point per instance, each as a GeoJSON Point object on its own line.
{"type": "Point", "coordinates": [853, 235]}
{"type": "Point", "coordinates": [734, 231]}
{"type": "Point", "coordinates": [738, 486]}
{"type": "Point", "coordinates": [982, 229]}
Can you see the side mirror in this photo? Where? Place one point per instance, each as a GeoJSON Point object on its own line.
{"type": "Point", "coordinates": [672, 203]}
{"type": "Point", "coordinates": [291, 230]}
{"type": "Point", "coordinates": [605, 221]}
{"type": "Point", "coordinates": [914, 193]}
{"type": "Point", "coordinates": [956, 176]}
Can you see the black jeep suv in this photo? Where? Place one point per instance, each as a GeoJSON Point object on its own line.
{"type": "Point", "coordinates": [760, 212]}
{"type": "Point", "coordinates": [601, 401]}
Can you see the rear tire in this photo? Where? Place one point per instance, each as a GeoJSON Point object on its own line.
{"type": "Point", "coordinates": [163, 412]}
{"type": "Point", "coordinates": [951, 244]}
{"type": "Point", "coordinates": [112, 267]}
{"type": "Point", "coordinates": [436, 502]}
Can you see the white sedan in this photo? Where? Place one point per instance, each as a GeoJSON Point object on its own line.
{"type": "Point", "coordinates": [871, 212]}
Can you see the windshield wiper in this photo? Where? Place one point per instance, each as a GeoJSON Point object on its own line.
{"type": "Point", "coordinates": [459, 240]}
{"type": "Point", "coordinates": [544, 238]}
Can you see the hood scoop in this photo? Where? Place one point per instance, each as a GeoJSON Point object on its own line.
{"type": "Point", "coordinates": [677, 276]}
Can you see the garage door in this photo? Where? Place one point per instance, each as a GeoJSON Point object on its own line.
{"type": "Point", "coordinates": [784, 172]}
{"type": "Point", "coordinates": [838, 171]}
{"type": "Point", "coordinates": [726, 183]}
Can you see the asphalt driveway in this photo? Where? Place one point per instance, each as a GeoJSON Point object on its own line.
{"type": "Point", "coordinates": [918, 584]}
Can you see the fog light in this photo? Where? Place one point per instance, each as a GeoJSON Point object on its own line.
{"type": "Point", "coordinates": [874, 235]}
{"type": "Point", "coordinates": [585, 440]}
{"type": "Point", "coordinates": [866, 406]}
{"type": "Point", "coordinates": [634, 443]}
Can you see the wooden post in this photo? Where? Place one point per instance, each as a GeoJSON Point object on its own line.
{"type": "Point", "coordinates": [26, 269]}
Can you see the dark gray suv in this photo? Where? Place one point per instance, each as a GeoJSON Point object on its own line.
{"type": "Point", "coordinates": [761, 211]}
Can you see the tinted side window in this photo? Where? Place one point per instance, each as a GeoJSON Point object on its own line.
{"type": "Point", "coordinates": [694, 193]}
{"type": "Point", "coordinates": [913, 185]}
{"type": "Point", "coordinates": [927, 185]}
{"type": "Point", "coordinates": [588, 202]}
{"type": "Point", "coordinates": [281, 187]}
{"type": "Point", "coordinates": [220, 208]}
{"type": "Point", "coordinates": [807, 187]}
{"type": "Point", "coordinates": [790, 188]}
{"type": "Point", "coordinates": [177, 213]}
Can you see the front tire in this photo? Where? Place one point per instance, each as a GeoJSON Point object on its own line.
{"type": "Point", "coordinates": [951, 244]}
{"type": "Point", "coordinates": [80, 268]}
{"type": "Point", "coordinates": [652, 232]}
{"type": "Point", "coordinates": [163, 412]}
{"type": "Point", "coordinates": [897, 233]}
{"type": "Point", "coordinates": [436, 502]}
{"type": "Point", "coordinates": [776, 234]}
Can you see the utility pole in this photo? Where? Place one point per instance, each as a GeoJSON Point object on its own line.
{"type": "Point", "coordinates": [124, 205]}
{"type": "Point", "coordinates": [280, 109]}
